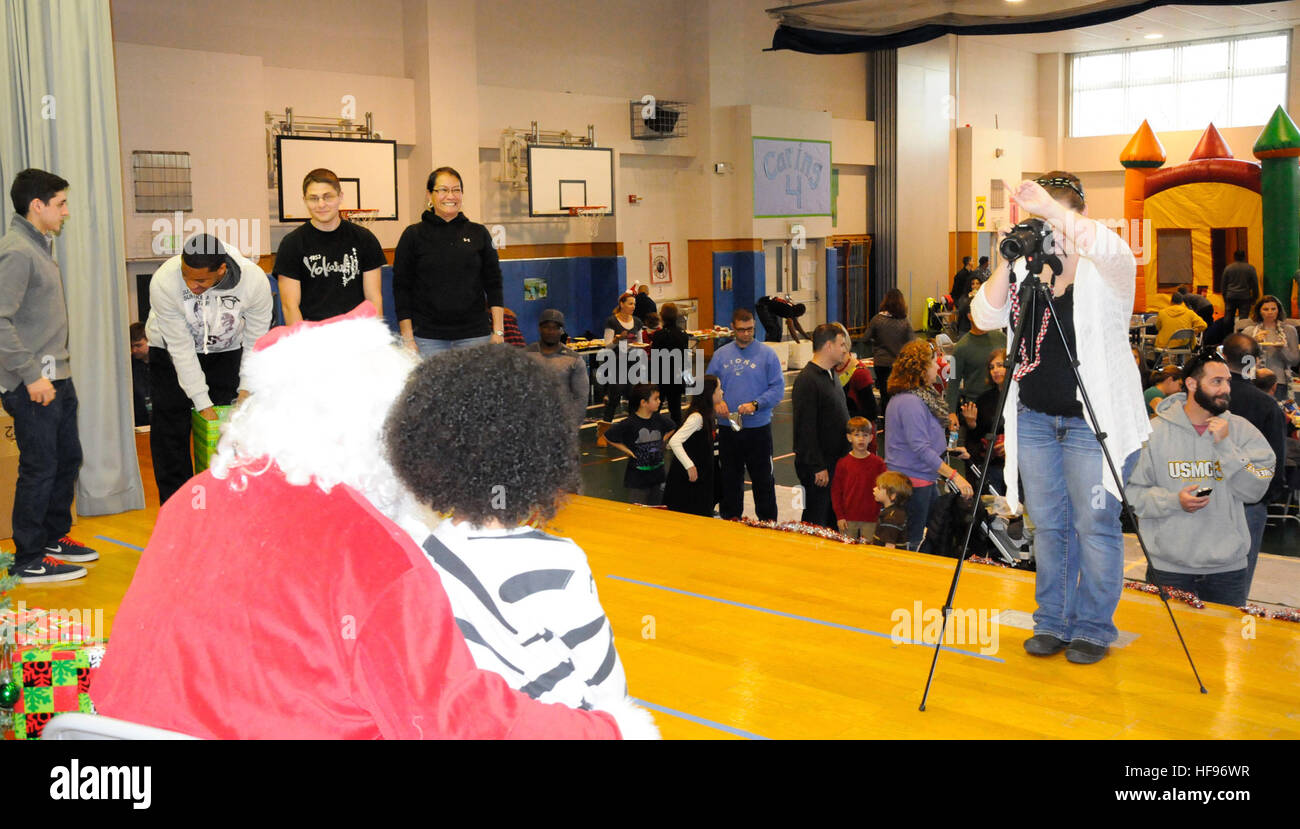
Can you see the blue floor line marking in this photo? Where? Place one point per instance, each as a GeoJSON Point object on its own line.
{"type": "Point", "coordinates": [797, 617]}
{"type": "Point", "coordinates": [119, 543]}
{"type": "Point", "coordinates": [748, 735]}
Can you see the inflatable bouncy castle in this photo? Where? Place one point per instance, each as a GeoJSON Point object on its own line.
{"type": "Point", "coordinates": [1212, 205]}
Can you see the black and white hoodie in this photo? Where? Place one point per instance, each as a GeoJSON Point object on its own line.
{"type": "Point", "coordinates": [228, 316]}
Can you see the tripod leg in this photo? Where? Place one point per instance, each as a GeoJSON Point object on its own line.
{"type": "Point", "coordinates": [1013, 350]}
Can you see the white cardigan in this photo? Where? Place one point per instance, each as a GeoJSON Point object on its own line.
{"type": "Point", "coordinates": [1104, 285]}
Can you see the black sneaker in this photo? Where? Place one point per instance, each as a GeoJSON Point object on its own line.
{"type": "Point", "coordinates": [1044, 644]}
{"type": "Point", "coordinates": [49, 569]}
{"type": "Point", "coordinates": [68, 549]}
{"type": "Point", "coordinates": [1085, 653]}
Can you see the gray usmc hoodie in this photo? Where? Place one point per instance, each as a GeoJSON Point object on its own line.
{"type": "Point", "coordinates": [230, 315]}
{"type": "Point", "coordinates": [1239, 468]}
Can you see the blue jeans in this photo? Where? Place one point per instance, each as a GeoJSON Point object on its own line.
{"type": "Point", "coordinates": [49, 458]}
{"type": "Point", "coordinates": [428, 348]}
{"type": "Point", "coordinates": [1078, 544]}
{"type": "Point", "coordinates": [918, 513]}
{"type": "Point", "coordinates": [1219, 588]}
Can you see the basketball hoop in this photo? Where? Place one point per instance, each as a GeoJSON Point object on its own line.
{"type": "Point", "coordinates": [590, 216]}
{"type": "Point", "coordinates": [361, 217]}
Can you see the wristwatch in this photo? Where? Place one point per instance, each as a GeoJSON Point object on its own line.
{"type": "Point", "coordinates": [499, 333]}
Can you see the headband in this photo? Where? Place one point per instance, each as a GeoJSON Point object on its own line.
{"type": "Point", "coordinates": [1062, 182]}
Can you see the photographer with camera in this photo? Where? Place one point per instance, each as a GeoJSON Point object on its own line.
{"type": "Point", "coordinates": [1070, 492]}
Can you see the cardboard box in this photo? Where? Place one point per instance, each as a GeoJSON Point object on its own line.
{"type": "Point", "coordinates": [8, 474]}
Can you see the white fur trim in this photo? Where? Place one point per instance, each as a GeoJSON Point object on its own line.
{"type": "Point", "coordinates": [634, 722]}
{"type": "Point", "coordinates": [318, 403]}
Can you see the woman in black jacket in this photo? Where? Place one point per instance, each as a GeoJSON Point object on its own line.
{"type": "Point", "coordinates": [446, 277]}
{"type": "Point", "coordinates": [887, 333]}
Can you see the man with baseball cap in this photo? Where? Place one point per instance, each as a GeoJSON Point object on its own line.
{"type": "Point", "coordinates": [551, 352]}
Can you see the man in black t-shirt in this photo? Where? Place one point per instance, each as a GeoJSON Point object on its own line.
{"type": "Point", "coordinates": [329, 265]}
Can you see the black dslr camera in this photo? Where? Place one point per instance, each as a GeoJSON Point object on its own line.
{"type": "Point", "coordinates": [1028, 239]}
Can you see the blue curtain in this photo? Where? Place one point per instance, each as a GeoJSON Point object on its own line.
{"type": "Point", "coordinates": [59, 100]}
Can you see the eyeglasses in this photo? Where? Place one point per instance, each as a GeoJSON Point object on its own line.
{"type": "Point", "coordinates": [327, 198]}
{"type": "Point", "coordinates": [443, 191]}
{"type": "Point", "coordinates": [743, 330]}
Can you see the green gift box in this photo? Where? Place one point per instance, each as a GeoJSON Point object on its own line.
{"type": "Point", "coordinates": [206, 435]}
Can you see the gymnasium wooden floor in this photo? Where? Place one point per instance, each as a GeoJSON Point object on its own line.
{"type": "Point", "coordinates": [732, 632]}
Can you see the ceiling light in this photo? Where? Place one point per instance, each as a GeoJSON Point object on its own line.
{"type": "Point", "coordinates": [1153, 36]}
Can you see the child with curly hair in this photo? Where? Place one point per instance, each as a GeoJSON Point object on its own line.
{"type": "Point", "coordinates": [525, 600]}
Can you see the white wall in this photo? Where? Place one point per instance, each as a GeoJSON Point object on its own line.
{"type": "Point", "coordinates": [612, 48]}
{"type": "Point", "coordinates": [361, 36]}
{"type": "Point", "coordinates": [996, 88]}
{"type": "Point", "coordinates": [218, 124]}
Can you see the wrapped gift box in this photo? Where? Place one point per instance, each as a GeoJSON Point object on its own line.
{"type": "Point", "coordinates": [53, 662]}
{"type": "Point", "coordinates": [52, 679]}
{"type": "Point", "coordinates": [206, 435]}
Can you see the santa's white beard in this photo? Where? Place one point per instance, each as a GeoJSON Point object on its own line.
{"type": "Point", "coordinates": [317, 408]}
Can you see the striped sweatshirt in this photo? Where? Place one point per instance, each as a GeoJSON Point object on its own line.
{"type": "Point", "coordinates": [526, 603]}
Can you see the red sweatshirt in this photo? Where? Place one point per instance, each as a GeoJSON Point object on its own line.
{"type": "Point", "coordinates": [855, 478]}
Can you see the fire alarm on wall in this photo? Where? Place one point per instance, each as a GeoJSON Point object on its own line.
{"type": "Point", "coordinates": [721, 167]}
{"type": "Point", "coordinates": [633, 198]}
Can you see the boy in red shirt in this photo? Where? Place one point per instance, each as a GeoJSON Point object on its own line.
{"type": "Point", "coordinates": [855, 478]}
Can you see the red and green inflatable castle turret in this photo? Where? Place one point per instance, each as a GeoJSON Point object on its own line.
{"type": "Point", "coordinates": [1277, 149]}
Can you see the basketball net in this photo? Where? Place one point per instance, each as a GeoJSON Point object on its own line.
{"type": "Point", "coordinates": [590, 217]}
{"type": "Point", "coordinates": [361, 217]}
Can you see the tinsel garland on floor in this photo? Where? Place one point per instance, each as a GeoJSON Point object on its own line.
{"type": "Point", "coordinates": [1285, 614]}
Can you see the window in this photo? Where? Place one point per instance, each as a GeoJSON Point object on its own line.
{"type": "Point", "coordinates": [162, 181]}
{"type": "Point", "coordinates": [1181, 86]}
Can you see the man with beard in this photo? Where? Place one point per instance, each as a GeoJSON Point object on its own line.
{"type": "Point", "coordinates": [1195, 474]}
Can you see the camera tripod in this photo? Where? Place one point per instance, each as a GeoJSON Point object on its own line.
{"type": "Point", "coordinates": [1033, 288]}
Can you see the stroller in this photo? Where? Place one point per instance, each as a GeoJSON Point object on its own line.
{"type": "Point", "coordinates": [997, 536]}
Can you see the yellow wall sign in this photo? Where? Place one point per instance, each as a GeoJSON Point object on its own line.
{"type": "Point", "coordinates": [981, 213]}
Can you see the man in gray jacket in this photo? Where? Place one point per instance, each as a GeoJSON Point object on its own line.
{"type": "Point", "coordinates": [1199, 468]}
{"type": "Point", "coordinates": [36, 378]}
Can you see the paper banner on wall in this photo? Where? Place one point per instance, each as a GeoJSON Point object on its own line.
{"type": "Point", "coordinates": [791, 178]}
{"type": "Point", "coordinates": [661, 265]}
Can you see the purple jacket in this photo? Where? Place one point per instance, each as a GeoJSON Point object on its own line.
{"type": "Point", "coordinates": [914, 438]}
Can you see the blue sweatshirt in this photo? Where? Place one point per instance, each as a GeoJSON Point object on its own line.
{"type": "Point", "coordinates": [747, 374]}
